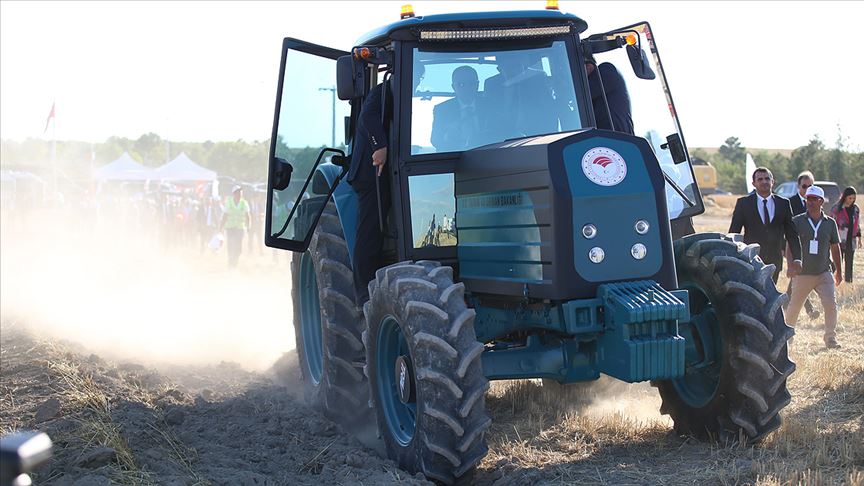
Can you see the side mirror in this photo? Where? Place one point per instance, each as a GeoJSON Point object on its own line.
{"type": "Point", "coordinates": [675, 147]}
{"type": "Point", "coordinates": [281, 175]}
{"type": "Point", "coordinates": [639, 61]}
{"type": "Point", "coordinates": [349, 78]}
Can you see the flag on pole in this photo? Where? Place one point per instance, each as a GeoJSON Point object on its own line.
{"type": "Point", "coordinates": [50, 116]}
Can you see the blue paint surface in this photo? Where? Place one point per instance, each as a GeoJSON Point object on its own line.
{"type": "Point", "coordinates": [614, 210]}
{"type": "Point", "coordinates": [346, 204]}
{"type": "Point", "coordinates": [499, 237]}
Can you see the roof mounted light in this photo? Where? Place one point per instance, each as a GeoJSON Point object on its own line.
{"type": "Point", "coordinates": [493, 34]}
{"type": "Point", "coordinates": [551, 4]}
{"type": "Point", "coordinates": [407, 11]}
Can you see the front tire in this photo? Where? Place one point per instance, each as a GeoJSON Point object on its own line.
{"type": "Point", "coordinates": [424, 369]}
{"type": "Point", "coordinates": [736, 359]}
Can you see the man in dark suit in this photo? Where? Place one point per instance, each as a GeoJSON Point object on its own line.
{"type": "Point", "coordinates": [799, 203]}
{"type": "Point", "coordinates": [460, 122]}
{"type": "Point", "coordinates": [520, 97]}
{"type": "Point", "coordinates": [368, 157]}
{"type": "Point", "coordinates": [767, 220]}
{"type": "Point", "coordinates": [612, 111]}
{"type": "Point", "coordinates": [799, 206]}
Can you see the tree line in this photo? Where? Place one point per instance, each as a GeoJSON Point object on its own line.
{"type": "Point", "coordinates": [836, 164]}
{"type": "Point", "coordinates": [247, 161]}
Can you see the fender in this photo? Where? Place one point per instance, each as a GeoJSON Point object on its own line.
{"type": "Point", "coordinates": [346, 202]}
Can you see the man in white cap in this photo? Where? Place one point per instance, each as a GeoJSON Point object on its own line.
{"type": "Point", "coordinates": [235, 222]}
{"type": "Point", "coordinates": [818, 234]}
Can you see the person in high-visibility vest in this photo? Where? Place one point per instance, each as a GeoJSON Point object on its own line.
{"type": "Point", "coordinates": [235, 221]}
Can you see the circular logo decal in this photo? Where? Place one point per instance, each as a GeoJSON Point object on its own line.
{"type": "Point", "coordinates": [604, 166]}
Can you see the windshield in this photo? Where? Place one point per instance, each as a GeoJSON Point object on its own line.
{"type": "Point", "coordinates": [468, 99]}
{"type": "Point", "coordinates": [654, 117]}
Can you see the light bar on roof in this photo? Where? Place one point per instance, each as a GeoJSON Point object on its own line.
{"type": "Point", "coordinates": [491, 34]}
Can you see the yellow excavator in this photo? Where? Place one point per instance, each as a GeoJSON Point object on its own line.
{"type": "Point", "coordinates": [706, 175]}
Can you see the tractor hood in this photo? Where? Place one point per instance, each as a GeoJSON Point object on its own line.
{"type": "Point", "coordinates": [556, 216]}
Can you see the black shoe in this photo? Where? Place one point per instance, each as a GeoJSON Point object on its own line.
{"type": "Point", "coordinates": [832, 345]}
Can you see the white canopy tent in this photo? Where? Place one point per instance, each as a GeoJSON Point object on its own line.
{"type": "Point", "coordinates": [124, 169]}
{"type": "Point", "coordinates": [182, 168]}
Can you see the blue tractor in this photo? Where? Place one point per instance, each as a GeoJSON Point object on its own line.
{"type": "Point", "coordinates": [537, 247]}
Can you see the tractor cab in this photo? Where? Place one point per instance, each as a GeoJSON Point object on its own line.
{"type": "Point", "coordinates": [537, 175]}
{"type": "Point", "coordinates": [527, 77]}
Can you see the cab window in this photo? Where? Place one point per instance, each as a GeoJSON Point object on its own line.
{"type": "Point", "coordinates": [468, 99]}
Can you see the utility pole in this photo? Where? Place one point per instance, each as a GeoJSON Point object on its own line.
{"type": "Point", "coordinates": [332, 91]}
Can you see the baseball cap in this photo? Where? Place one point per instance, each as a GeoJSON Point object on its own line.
{"type": "Point", "coordinates": [815, 191]}
{"type": "Point", "coordinates": [236, 188]}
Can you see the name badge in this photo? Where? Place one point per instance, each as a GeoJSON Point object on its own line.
{"type": "Point", "coordinates": [814, 247]}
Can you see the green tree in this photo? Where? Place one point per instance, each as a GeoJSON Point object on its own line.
{"type": "Point", "coordinates": [732, 150]}
{"type": "Point", "coordinates": [807, 157]}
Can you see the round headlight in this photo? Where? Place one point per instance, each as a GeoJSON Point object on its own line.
{"type": "Point", "coordinates": [638, 251]}
{"type": "Point", "coordinates": [596, 254]}
{"type": "Point", "coordinates": [642, 226]}
{"type": "Point", "coordinates": [589, 231]}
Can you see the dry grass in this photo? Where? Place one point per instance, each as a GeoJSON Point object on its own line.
{"type": "Point", "coordinates": [613, 433]}
{"type": "Point", "coordinates": [90, 406]}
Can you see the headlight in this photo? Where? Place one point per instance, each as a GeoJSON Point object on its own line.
{"type": "Point", "coordinates": [638, 251]}
{"type": "Point", "coordinates": [596, 254]}
{"type": "Point", "coordinates": [589, 231]}
{"type": "Point", "coordinates": [641, 226]}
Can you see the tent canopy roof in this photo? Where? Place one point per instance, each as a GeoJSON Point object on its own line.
{"type": "Point", "coordinates": [182, 168]}
{"type": "Point", "coordinates": [124, 169]}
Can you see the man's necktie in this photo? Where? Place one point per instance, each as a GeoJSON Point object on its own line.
{"type": "Point", "coordinates": [765, 211]}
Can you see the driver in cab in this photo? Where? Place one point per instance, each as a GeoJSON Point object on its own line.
{"type": "Point", "coordinates": [459, 123]}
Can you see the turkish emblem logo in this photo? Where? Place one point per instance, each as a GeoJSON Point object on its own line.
{"type": "Point", "coordinates": [604, 166]}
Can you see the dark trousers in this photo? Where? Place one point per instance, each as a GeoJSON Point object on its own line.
{"type": "Point", "coordinates": [234, 244]}
{"type": "Point", "coordinates": [367, 244]}
{"type": "Point", "coordinates": [848, 257]}
{"type": "Point", "coordinates": [778, 264]}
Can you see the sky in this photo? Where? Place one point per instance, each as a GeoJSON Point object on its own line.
{"type": "Point", "coordinates": [773, 74]}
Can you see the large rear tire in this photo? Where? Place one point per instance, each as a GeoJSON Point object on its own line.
{"type": "Point", "coordinates": [736, 360]}
{"type": "Point", "coordinates": [328, 324]}
{"type": "Point", "coordinates": [424, 369]}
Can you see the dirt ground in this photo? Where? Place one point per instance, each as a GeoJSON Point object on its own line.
{"type": "Point", "coordinates": [161, 396]}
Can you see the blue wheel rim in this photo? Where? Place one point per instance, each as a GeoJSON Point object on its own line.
{"type": "Point", "coordinates": [310, 319]}
{"type": "Point", "coordinates": [703, 352]}
{"type": "Point", "coordinates": [401, 418]}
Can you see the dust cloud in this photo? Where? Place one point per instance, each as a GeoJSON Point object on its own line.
{"type": "Point", "coordinates": [638, 402]}
{"type": "Point", "coordinates": [136, 291]}
{"type": "Point", "coordinates": [609, 397]}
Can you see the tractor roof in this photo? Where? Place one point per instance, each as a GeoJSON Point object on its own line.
{"type": "Point", "coordinates": [519, 18]}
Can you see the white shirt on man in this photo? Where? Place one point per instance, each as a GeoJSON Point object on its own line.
{"type": "Point", "coordinates": [760, 206]}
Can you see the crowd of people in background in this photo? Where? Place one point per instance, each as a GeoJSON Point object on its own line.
{"type": "Point", "coordinates": [195, 219]}
{"type": "Point", "coordinates": [810, 240]}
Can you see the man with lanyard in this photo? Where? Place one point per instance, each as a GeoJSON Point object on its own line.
{"type": "Point", "coordinates": [818, 234]}
{"type": "Point", "coordinates": [799, 206]}
{"type": "Point", "coordinates": [234, 222]}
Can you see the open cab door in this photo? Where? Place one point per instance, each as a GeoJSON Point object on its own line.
{"type": "Point", "coordinates": [633, 51]}
{"type": "Point", "coordinates": [305, 134]}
